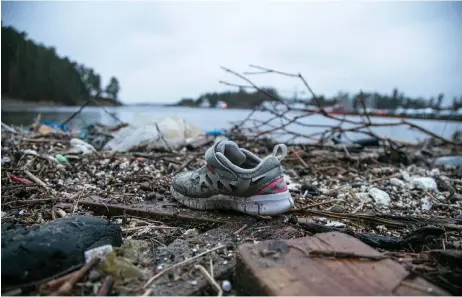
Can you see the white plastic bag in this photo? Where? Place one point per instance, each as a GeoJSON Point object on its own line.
{"type": "Point", "coordinates": [159, 133]}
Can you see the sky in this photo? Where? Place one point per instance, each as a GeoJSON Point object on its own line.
{"type": "Point", "coordinates": [164, 51]}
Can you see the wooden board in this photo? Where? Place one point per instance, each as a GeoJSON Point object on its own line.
{"type": "Point", "coordinates": [284, 268]}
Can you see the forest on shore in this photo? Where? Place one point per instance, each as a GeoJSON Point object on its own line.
{"type": "Point", "coordinates": [33, 72]}
{"type": "Point", "coordinates": [392, 101]}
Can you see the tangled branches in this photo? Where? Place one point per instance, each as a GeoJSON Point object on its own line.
{"type": "Point", "coordinates": [289, 120]}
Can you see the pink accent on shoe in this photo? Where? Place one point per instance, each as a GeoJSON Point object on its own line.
{"type": "Point", "coordinates": [277, 186]}
{"type": "Point", "coordinates": [210, 167]}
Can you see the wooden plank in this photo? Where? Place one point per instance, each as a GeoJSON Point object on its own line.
{"type": "Point", "coordinates": [284, 268]}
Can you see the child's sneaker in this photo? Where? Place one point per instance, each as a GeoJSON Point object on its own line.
{"type": "Point", "coordinates": [235, 178]}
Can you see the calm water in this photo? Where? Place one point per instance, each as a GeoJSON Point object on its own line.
{"type": "Point", "coordinates": [208, 119]}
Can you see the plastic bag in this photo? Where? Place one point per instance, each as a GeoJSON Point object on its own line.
{"type": "Point", "coordinates": [159, 133]}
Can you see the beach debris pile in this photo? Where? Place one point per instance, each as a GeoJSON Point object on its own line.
{"type": "Point", "coordinates": [152, 245]}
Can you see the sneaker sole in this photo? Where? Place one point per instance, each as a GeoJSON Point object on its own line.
{"type": "Point", "coordinates": [263, 205]}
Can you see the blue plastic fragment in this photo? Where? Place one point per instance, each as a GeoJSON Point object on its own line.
{"type": "Point", "coordinates": [215, 132]}
{"type": "Point", "coordinates": [56, 125]}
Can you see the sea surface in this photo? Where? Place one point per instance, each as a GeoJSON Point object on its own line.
{"type": "Point", "coordinates": [210, 119]}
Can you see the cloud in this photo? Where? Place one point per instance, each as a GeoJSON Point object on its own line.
{"type": "Point", "coordinates": [163, 51]}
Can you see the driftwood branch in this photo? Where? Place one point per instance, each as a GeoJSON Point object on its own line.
{"type": "Point", "coordinates": [285, 116]}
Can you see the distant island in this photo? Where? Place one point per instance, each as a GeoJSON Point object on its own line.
{"type": "Point", "coordinates": [33, 74]}
{"type": "Point", "coordinates": [342, 101]}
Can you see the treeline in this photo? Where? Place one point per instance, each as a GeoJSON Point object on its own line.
{"type": "Point", "coordinates": [391, 101]}
{"type": "Point", "coordinates": [34, 72]}
{"type": "Point", "coordinates": [239, 99]}
{"type": "Point", "coordinates": [243, 99]}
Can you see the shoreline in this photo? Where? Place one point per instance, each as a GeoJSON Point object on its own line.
{"type": "Point", "coordinates": [10, 104]}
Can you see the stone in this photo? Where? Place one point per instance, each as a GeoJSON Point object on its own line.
{"type": "Point", "coordinates": [337, 208]}
{"type": "Point", "coordinates": [146, 186]}
{"type": "Point", "coordinates": [397, 182]}
{"type": "Point", "coordinates": [380, 197]}
{"type": "Point", "coordinates": [425, 183]}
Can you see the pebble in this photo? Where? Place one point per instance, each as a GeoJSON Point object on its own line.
{"type": "Point", "coordinates": [335, 224]}
{"type": "Point", "coordinates": [425, 183]}
{"type": "Point", "coordinates": [337, 208]}
{"type": "Point", "coordinates": [146, 186]}
{"type": "Point", "coordinates": [363, 197]}
{"type": "Point", "coordinates": [426, 203]}
{"type": "Point", "coordinates": [291, 173]}
{"type": "Point", "coordinates": [397, 182]}
{"type": "Point", "coordinates": [380, 197]}
{"type": "Point", "coordinates": [226, 286]}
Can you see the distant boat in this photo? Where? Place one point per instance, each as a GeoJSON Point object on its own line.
{"type": "Point", "coordinates": [205, 103]}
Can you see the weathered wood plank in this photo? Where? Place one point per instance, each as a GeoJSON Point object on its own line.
{"type": "Point", "coordinates": [284, 268]}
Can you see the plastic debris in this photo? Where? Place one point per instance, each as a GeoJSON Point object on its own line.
{"type": "Point", "coordinates": [226, 286]}
{"type": "Point", "coordinates": [424, 183]}
{"type": "Point", "coordinates": [79, 146]}
{"type": "Point", "coordinates": [397, 182]}
{"type": "Point", "coordinates": [163, 133]}
{"type": "Point", "coordinates": [61, 159]}
{"type": "Point", "coordinates": [99, 252]}
{"type": "Point", "coordinates": [19, 180]}
{"type": "Point", "coordinates": [5, 160]}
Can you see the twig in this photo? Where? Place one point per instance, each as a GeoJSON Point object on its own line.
{"type": "Point", "coordinates": [211, 267]}
{"type": "Point", "coordinates": [338, 255]}
{"type": "Point", "coordinates": [240, 229]}
{"type": "Point", "coordinates": [315, 204]}
{"type": "Point", "coordinates": [35, 179]}
{"type": "Point", "coordinates": [9, 128]}
{"type": "Point", "coordinates": [66, 288]}
{"type": "Point", "coordinates": [210, 279]}
{"type": "Point", "coordinates": [76, 113]}
{"type": "Point", "coordinates": [106, 286]}
{"type": "Point", "coordinates": [148, 292]}
{"type": "Point", "coordinates": [384, 178]}
{"type": "Point", "coordinates": [147, 227]}
{"type": "Point", "coordinates": [151, 213]}
{"type": "Point", "coordinates": [152, 279]}
{"type": "Point", "coordinates": [184, 165]}
{"type": "Point", "coordinates": [300, 159]}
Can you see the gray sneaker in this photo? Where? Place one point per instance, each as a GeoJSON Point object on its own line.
{"type": "Point", "coordinates": [235, 178]}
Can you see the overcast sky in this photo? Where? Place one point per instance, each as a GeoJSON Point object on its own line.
{"type": "Point", "coordinates": [164, 51]}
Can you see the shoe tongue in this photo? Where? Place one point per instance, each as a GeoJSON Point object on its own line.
{"type": "Point", "coordinates": [231, 151]}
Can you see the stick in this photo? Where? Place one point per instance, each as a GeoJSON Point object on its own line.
{"type": "Point", "coordinates": [151, 213]}
{"type": "Point", "coordinates": [299, 158]}
{"type": "Point", "coordinates": [240, 229]}
{"type": "Point", "coordinates": [105, 287]}
{"type": "Point", "coordinates": [184, 165]}
{"type": "Point", "coordinates": [35, 179]}
{"type": "Point", "coordinates": [152, 279]}
{"type": "Point", "coordinates": [66, 288]}
{"type": "Point", "coordinates": [9, 128]}
{"type": "Point", "coordinates": [210, 279]}
{"type": "Point", "coordinates": [76, 113]}
{"type": "Point", "coordinates": [147, 227]}
{"type": "Point", "coordinates": [315, 204]}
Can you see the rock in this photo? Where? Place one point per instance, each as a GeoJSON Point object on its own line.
{"type": "Point", "coordinates": [397, 182]}
{"type": "Point", "coordinates": [291, 173]}
{"type": "Point", "coordinates": [335, 224]}
{"type": "Point", "coordinates": [308, 186]}
{"type": "Point", "coordinates": [380, 197]}
{"type": "Point", "coordinates": [151, 196]}
{"type": "Point", "coordinates": [426, 203]}
{"type": "Point", "coordinates": [405, 175]}
{"type": "Point", "coordinates": [33, 253]}
{"type": "Point", "coordinates": [337, 208]}
{"type": "Point", "coordinates": [424, 183]}
{"type": "Point", "coordinates": [363, 197]}
{"type": "Point", "coordinates": [146, 186]}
